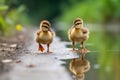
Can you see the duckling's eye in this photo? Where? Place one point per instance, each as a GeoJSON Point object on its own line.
{"type": "Point", "coordinates": [45, 26]}
{"type": "Point", "coordinates": [78, 23]}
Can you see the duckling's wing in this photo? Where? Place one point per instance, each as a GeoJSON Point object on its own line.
{"type": "Point", "coordinates": [53, 33]}
{"type": "Point", "coordinates": [37, 36]}
{"type": "Point", "coordinates": [38, 32]}
{"type": "Point", "coordinates": [69, 31]}
{"type": "Point", "coordinates": [85, 33]}
{"type": "Point", "coordinates": [85, 30]}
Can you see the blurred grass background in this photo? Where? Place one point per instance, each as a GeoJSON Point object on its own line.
{"type": "Point", "coordinates": [102, 17]}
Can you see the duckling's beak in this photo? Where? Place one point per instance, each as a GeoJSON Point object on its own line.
{"type": "Point", "coordinates": [45, 27]}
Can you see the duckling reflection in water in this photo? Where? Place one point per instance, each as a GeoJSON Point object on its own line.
{"type": "Point", "coordinates": [44, 35]}
{"type": "Point", "coordinates": [78, 67]}
{"type": "Point", "coordinates": [77, 33]}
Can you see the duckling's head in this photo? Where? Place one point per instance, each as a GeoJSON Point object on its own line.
{"type": "Point", "coordinates": [85, 64]}
{"type": "Point", "coordinates": [45, 25]}
{"type": "Point", "coordinates": [78, 23]}
{"type": "Point", "coordinates": [80, 77]}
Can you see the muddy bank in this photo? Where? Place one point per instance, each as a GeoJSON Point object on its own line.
{"type": "Point", "coordinates": [10, 48]}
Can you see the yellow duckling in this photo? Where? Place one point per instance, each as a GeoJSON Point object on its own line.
{"type": "Point", "coordinates": [78, 33]}
{"type": "Point", "coordinates": [44, 35]}
{"type": "Point", "coordinates": [78, 67]}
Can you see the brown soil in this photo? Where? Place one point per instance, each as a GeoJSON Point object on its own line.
{"type": "Point", "coordinates": [10, 48]}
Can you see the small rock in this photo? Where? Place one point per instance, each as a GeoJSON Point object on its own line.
{"type": "Point", "coordinates": [4, 44]}
{"type": "Point", "coordinates": [18, 61]}
{"type": "Point", "coordinates": [13, 45]}
{"type": "Point", "coordinates": [6, 61]}
{"type": "Point", "coordinates": [31, 65]}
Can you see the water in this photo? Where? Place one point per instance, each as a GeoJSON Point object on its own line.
{"type": "Point", "coordinates": [104, 55]}
{"type": "Point", "coordinates": [102, 67]}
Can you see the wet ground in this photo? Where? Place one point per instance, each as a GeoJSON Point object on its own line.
{"type": "Point", "coordinates": [25, 62]}
{"type": "Point", "coordinates": [20, 60]}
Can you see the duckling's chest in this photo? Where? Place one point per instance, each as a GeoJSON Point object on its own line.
{"type": "Point", "coordinates": [46, 37]}
{"type": "Point", "coordinates": [76, 68]}
{"type": "Point", "coordinates": [77, 34]}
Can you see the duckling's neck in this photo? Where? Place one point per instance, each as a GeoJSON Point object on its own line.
{"type": "Point", "coordinates": [77, 29]}
{"type": "Point", "coordinates": [45, 31]}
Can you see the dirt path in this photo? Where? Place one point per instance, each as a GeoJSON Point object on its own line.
{"type": "Point", "coordinates": [33, 65]}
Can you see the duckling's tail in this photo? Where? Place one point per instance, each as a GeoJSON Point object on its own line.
{"type": "Point", "coordinates": [41, 48]}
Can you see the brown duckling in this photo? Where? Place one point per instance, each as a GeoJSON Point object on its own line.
{"type": "Point", "coordinates": [44, 35]}
{"type": "Point", "coordinates": [78, 33]}
{"type": "Point", "coordinates": [78, 67]}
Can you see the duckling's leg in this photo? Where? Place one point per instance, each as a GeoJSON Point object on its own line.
{"type": "Point", "coordinates": [48, 46]}
{"type": "Point", "coordinates": [73, 48]}
{"type": "Point", "coordinates": [40, 48]}
{"type": "Point", "coordinates": [83, 56]}
{"type": "Point", "coordinates": [84, 50]}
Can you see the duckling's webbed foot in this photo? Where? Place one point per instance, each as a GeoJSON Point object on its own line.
{"type": "Point", "coordinates": [40, 48]}
{"type": "Point", "coordinates": [84, 50]}
{"type": "Point", "coordinates": [49, 52]}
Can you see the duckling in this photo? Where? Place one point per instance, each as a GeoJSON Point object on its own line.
{"type": "Point", "coordinates": [44, 35]}
{"type": "Point", "coordinates": [78, 67]}
{"type": "Point", "coordinates": [77, 33]}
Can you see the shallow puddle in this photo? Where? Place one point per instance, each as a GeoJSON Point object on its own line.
{"type": "Point", "coordinates": [104, 54]}
{"type": "Point", "coordinates": [101, 67]}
